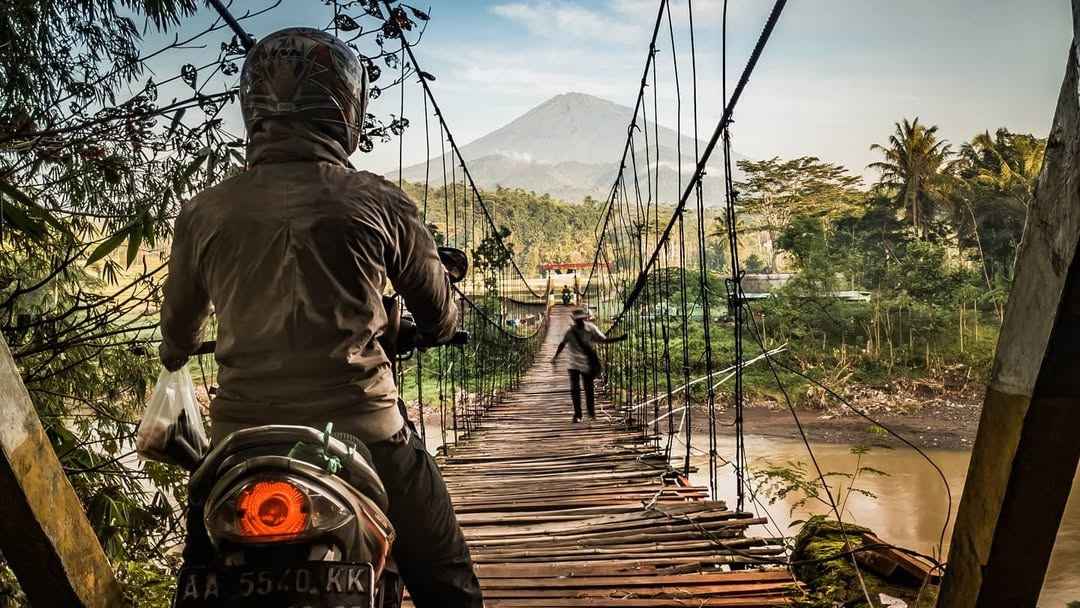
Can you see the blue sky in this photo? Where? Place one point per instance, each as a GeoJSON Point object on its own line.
{"type": "Point", "coordinates": [835, 77]}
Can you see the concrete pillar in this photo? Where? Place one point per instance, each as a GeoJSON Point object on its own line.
{"type": "Point", "coordinates": [44, 533]}
{"type": "Point", "coordinates": [1026, 452]}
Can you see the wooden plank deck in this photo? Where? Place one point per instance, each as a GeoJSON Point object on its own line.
{"type": "Point", "coordinates": [563, 514]}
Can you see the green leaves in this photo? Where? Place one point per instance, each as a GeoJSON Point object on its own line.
{"type": "Point", "coordinates": [134, 233]}
{"type": "Point", "coordinates": [177, 117]}
{"type": "Point", "coordinates": [21, 213]}
{"type": "Point", "coordinates": [193, 166]}
{"type": "Point", "coordinates": [134, 241]}
{"type": "Point", "coordinates": [16, 217]}
{"type": "Point", "coordinates": [107, 247]}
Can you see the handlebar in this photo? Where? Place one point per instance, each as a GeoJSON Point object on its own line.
{"type": "Point", "coordinates": [460, 338]}
{"type": "Point", "coordinates": [408, 338]}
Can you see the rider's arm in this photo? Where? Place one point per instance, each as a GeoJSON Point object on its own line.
{"type": "Point", "coordinates": [414, 268]}
{"type": "Point", "coordinates": [186, 304]}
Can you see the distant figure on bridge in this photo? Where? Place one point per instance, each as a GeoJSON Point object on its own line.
{"type": "Point", "coordinates": [584, 362]}
{"type": "Point", "coordinates": [567, 296]}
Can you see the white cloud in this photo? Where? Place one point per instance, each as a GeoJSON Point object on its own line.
{"type": "Point", "coordinates": [560, 19]}
{"type": "Point", "coordinates": [538, 73]}
{"type": "Point", "coordinates": [818, 90]}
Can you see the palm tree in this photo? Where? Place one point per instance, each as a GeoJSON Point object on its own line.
{"type": "Point", "coordinates": [917, 170]}
{"type": "Point", "coordinates": [999, 174]}
{"type": "Point", "coordinates": [1007, 163]}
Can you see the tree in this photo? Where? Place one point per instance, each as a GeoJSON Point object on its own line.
{"type": "Point", "coordinates": [1009, 163]}
{"type": "Point", "coordinates": [916, 170]}
{"type": "Point", "coordinates": [754, 264]}
{"type": "Point", "coordinates": [1000, 173]}
{"type": "Point", "coordinates": [774, 190]}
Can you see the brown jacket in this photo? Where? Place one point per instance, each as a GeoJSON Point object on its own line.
{"type": "Point", "coordinates": [294, 255]}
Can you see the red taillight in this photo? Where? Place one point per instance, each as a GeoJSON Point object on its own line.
{"type": "Point", "coordinates": [272, 509]}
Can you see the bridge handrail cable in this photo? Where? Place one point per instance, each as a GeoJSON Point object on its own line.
{"type": "Point", "coordinates": [699, 171]}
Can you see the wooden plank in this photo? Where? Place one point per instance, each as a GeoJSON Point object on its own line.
{"type": "Point", "coordinates": [555, 513]}
{"type": "Point", "coordinates": [44, 534]}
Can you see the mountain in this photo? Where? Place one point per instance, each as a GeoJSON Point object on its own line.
{"type": "Point", "coordinates": [569, 147]}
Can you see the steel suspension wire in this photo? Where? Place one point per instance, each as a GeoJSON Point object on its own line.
{"type": "Point", "coordinates": [634, 287]}
{"type": "Point", "coordinates": [504, 316]}
{"type": "Point", "coordinates": [734, 287]}
{"type": "Point", "coordinates": [699, 171]}
{"type": "Point", "coordinates": [629, 139]}
{"type": "Point", "coordinates": [703, 287]}
{"type": "Point", "coordinates": [454, 147]}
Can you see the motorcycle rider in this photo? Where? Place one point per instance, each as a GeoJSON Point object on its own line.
{"type": "Point", "coordinates": [294, 254]}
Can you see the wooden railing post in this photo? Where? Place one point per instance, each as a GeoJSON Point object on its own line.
{"type": "Point", "coordinates": [1026, 452]}
{"type": "Point", "coordinates": [44, 533]}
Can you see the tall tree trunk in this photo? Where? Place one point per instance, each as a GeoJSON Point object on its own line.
{"type": "Point", "coordinates": [913, 197]}
{"type": "Point", "coordinates": [978, 241]}
{"type": "Point", "coordinates": [961, 326]}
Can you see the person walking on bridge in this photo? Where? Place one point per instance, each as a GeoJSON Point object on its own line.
{"type": "Point", "coordinates": [584, 364]}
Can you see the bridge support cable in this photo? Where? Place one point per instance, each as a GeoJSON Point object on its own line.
{"type": "Point", "coordinates": [423, 80]}
{"type": "Point", "coordinates": [504, 315]}
{"type": "Point", "coordinates": [651, 280]}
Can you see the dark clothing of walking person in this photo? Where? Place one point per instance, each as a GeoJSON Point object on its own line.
{"type": "Point", "coordinates": [576, 378]}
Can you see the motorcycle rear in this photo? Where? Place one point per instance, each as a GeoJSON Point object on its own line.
{"type": "Point", "coordinates": [297, 516]}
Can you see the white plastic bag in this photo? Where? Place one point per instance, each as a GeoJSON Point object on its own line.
{"type": "Point", "coordinates": [171, 429]}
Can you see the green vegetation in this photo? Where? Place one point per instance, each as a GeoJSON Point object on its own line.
{"type": "Point", "coordinates": [544, 229]}
{"type": "Point", "coordinates": [904, 280]}
{"type": "Point", "coordinates": [932, 244]}
{"type": "Point", "coordinates": [833, 582]}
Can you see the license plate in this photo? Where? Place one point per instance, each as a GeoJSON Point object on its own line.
{"type": "Point", "coordinates": [307, 585]}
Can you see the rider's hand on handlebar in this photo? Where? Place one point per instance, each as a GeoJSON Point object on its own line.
{"type": "Point", "coordinates": [171, 358]}
{"type": "Point", "coordinates": [174, 364]}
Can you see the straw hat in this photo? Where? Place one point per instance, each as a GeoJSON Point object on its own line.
{"type": "Point", "coordinates": [580, 313]}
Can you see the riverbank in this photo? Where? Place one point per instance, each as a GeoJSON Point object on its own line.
{"type": "Point", "coordinates": [930, 415]}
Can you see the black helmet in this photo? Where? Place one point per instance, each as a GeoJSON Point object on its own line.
{"type": "Point", "coordinates": [308, 74]}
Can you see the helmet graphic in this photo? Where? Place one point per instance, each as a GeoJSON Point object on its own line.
{"type": "Point", "coordinates": [309, 74]}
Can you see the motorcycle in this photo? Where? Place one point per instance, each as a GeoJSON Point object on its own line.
{"type": "Point", "coordinates": [297, 516]}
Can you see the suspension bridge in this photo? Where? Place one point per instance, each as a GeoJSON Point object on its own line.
{"type": "Point", "coordinates": [564, 514]}
{"type": "Point", "coordinates": [595, 514]}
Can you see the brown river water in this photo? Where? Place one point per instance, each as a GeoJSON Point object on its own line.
{"type": "Point", "coordinates": [911, 501]}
